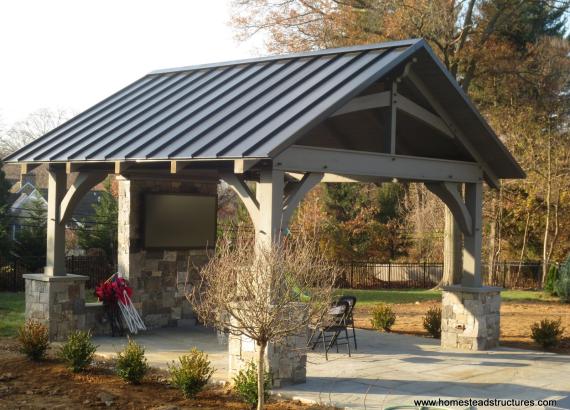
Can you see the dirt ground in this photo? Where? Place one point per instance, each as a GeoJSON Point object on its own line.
{"type": "Point", "coordinates": [49, 385]}
{"type": "Point", "coordinates": [516, 320]}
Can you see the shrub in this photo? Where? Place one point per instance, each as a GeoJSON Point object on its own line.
{"type": "Point", "coordinates": [78, 351]}
{"type": "Point", "coordinates": [432, 322]}
{"type": "Point", "coordinates": [34, 339]}
{"type": "Point", "coordinates": [551, 279]}
{"type": "Point", "coordinates": [547, 333]}
{"type": "Point", "coordinates": [383, 317]}
{"type": "Point", "coordinates": [562, 284]}
{"type": "Point", "coordinates": [192, 373]}
{"type": "Point", "coordinates": [245, 384]}
{"type": "Point", "coordinates": [131, 363]}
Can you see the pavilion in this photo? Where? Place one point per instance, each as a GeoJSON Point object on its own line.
{"type": "Point", "coordinates": [374, 113]}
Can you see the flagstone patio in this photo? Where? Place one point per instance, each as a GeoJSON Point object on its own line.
{"type": "Point", "coordinates": [387, 369]}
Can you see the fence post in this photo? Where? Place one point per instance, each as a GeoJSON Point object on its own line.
{"type": "Point", "coordinates": [351, 273]}
{"type": "Point", "coordinates": [425, 271]}
{"type": "Point", "coordinates": [389, 274]}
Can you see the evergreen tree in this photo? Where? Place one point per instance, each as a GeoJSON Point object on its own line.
{"type": "Point", "coordinates": [5, 242]}
{"type": "Point", "coordinates": [30, 244]}
{"type": "Point", "coordinates": [100, 232]}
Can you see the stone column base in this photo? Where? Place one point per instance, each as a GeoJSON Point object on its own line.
{"type": "Point", "coordinates": [56, 301]}
{"type": "Point", "coordinates": [286, 360]}
{"type": "Point", "coordinates": [470, 318]}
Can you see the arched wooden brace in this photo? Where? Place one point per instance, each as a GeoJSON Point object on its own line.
{"type": "Point", "coordinates": [264, 216]}
{"type": "Point", "coordinates": [83, 184]}
{"type": "Point", "coordinates": [448, 192]}
{"type": "Point", "coordinates": [297, 193]}
{"type": "Point", "coordinates": [237, 183]}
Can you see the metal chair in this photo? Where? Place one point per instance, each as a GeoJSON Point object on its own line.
{"type": "Point", "coordinates": [351, 300]}
{"type": "Point", "coordinates": [330, 327]}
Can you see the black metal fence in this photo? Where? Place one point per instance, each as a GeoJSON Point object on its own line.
{"type": "Point", "coordinates": [396, 275]}
{"type": "Point", "coordinates": [97, 268]}
{"type": "Point", "coordinates": [354, 274]}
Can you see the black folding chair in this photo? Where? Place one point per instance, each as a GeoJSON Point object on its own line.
{"type": "Point", "coordinates": [329, 328]}
{"type": "Point", "coordinates": [351, 300]}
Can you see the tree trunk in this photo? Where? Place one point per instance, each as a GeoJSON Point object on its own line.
{"type": "Point", "coordinates": [547, 199]}
{"type": "Point", "coordinates": [261, 377]}
{"type": "Point", "coordinates": [492, 241]}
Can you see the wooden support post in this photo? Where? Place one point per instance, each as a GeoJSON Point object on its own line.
{"type": "Point", "coordinates": [393, 117]}
{"type": "Point", "coordinates": [270, 198]}
{"type": "Point", "coordinates": [472, 243]}
{"type": "Point", "coordinates": [55, 255]}
{"type": "Point", "coordinates": [452, 241]}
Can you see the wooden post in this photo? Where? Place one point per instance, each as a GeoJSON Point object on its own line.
{"type": "Point", "coordinates": [472, 243]}
{"type": "Point", "coordinates": [451, 250]}
{"type": "Point", "coordinates": [55, 255]}
{"type": "Point", "coordinates": [270, 198]}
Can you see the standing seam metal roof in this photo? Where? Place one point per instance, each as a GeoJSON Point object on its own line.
{"type": "Point", "coordinates": [239, 109]}
{"type": "Point", "coordinates": [250, 108]}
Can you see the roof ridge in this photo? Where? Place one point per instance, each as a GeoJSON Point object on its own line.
{"type": "Point", "coordinates": [326, 51]}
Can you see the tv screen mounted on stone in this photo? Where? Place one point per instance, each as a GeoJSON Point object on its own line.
{"type": "Point", "coordinates": [175, 221]}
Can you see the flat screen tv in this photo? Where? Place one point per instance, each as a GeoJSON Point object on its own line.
{"type": "Point", "coordinates": [179, 221]}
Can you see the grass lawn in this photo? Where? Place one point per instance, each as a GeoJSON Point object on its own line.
{"type": "Point", "coordinates": [12, 307]}
{"type": "Point", "coordinates": [370, 297]}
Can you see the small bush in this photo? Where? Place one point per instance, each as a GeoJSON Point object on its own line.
{"type": "Point", "coordinates": [245, 384]}
{"type": "Point", "coordinates": [383, 317]}
{"type": "Point", "coordinates": [34, 340]}
{"type": "Point", "coordinates": [551, 279]}
{"type": "Point", "coordinates": [192, 373]}
{"type": "Point", "coordinates": [547, 333]}
{"type": "Point", "coordinates": [78, 351]}
{"type": "Point", "coordinates": [562, 284]}
{"type": "Point", "coordinates": [432, 322]}
{"type": "Point", "coordinates": [132, 365]}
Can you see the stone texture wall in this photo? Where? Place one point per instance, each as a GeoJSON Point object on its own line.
{"type": "Point", "coordinates": [286, 360]}
{"type": "Point", "coordinates": [470, 318]}
{"type": "Point", "coordinates": [56, 301]}
{"type": "Point", "coordinates": [158, 277]}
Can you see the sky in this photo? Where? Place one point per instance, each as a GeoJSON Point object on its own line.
{"type": "Point", "coordinates": [70, 54]}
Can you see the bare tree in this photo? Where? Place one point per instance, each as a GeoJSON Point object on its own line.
{"type": "Point", "coordinates": [264, 293]}
{"type": "Point", "coordinates": [35, 125]}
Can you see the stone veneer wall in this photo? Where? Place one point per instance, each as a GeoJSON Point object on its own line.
{"type": "Point", "coordinates": [470, 318]}
{"type": "Point", "coordinates": [158, 277]}
{"type": "Point", "coordinates": [286, 360]}
{"type": "Point", "coordinates": [56, 301]}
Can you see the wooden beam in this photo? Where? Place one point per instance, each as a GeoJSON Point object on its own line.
{"type": "Point", "coordinates": [26, 168]}
{"type": "Point", "coordinates": [243, 165]}
{"type": "Point", "coordinates": [122, 166]}
{"type": "Point", "coordinates": [490, 176]}
{"type": "Point", "coordinates": [71, 167]}
{"type": "Point", "coordinates": [55, 242]}
{"type": "Point", "coordinates": [449, 193]}
{"type": "Point", "coordinates": [366, 102]}
{"type": "Point", "coordinates": [83, 184]}
{"type": "Point", "coordinates": [472, 243]}
{"type": "Point", "coordinates": [237, 183]}
{"type": "Point", "coordinates": [296, 195]}
{"type": "Point", "coordinates": [393, 114]}
{"type": "Point", "coordinates": [419, 112]}
{"type": "Point", "coordinates": [369, 164]}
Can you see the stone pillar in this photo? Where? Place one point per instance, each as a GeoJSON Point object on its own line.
{"type": "Point", "coordinates": [158, 276]}
{"type": "Point", "coordinates": [56, 301]}
{"type": "Point", "coordinates": [286, 360]}
{"type": "Point", "coordinates": [470, 318]}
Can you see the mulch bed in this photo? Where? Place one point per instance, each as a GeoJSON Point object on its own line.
{"type": "Point", "coordinates": [49, 385]}
{"type": "Point", "coordinates": [516, 319]}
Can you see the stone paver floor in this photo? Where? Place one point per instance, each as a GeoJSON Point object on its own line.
{"type": "Point", "coordinates": [388, 369]}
